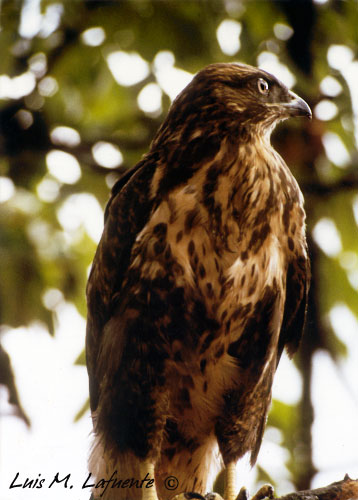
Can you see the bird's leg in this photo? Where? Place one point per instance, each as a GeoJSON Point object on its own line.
{"type": "Point", "coordinates": [266, 491]}
{"type": "Point", "coordinates": [229, 486]}
{"type": "Point", "coordinates": [230, 482]}
{"type": "Point", "coordinates": [146, 468]}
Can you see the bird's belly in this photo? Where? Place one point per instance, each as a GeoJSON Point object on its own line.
{"type": "Point", "coordinates": [249, 316]}
{"type": "Point", "coordinates": [198, 389]}
{"type": "Point", "coordinates": [249, 281]}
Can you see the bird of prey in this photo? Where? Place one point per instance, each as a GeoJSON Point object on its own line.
{"type": "Point", "coordinates": [199, 282]}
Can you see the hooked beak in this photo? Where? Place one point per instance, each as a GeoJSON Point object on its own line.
{"type": "Point", "coordinates": [297, 106]}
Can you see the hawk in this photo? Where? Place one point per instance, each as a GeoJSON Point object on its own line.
{"type": "Point", "coordinates": [199, 282]}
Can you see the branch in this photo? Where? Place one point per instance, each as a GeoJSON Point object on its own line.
{"type": "Point", "coordinates": [347, 489]}
{"type": "Point", "coordinates": [341, 490]}
{"type": "Point", "coordinates": [8, 380]}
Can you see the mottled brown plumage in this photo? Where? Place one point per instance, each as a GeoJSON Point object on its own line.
{"type": "Point", "coordinates": [199, 282]}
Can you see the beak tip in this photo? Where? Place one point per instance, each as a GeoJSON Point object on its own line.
{"type": "Point", "coordinates": [308, 115]}
{"type": "Point", "coordinates": [308, 112]}
{"type": "Point", "coordinates": [299, 107]}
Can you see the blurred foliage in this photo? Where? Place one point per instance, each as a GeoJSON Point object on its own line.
{"type": "Point", "coordinates": [51, 76]}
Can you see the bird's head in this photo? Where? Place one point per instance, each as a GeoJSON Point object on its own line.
{"type": "Point", "coordinates": [237, 95]}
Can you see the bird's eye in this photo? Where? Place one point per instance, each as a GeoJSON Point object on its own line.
{"type": "Point", "coordinates": [263, 86]}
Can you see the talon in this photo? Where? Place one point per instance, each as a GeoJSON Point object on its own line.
{"type": "Point", "coordinates": [213, 496]}
{"type": "Point", "coordinates": [266, 491]}
{"type": "Point", "coordinates": [243, 494]}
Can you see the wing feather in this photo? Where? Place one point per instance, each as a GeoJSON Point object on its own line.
{"type": "Point", "coordinates": [126, 213]}
{"type": "Point", "coordinates": [297, 287]}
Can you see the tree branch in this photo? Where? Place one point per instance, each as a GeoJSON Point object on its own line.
{"type": "Point", "coordinates": [347, 489]}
